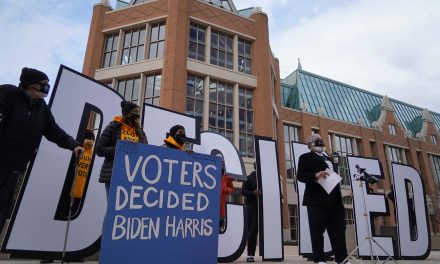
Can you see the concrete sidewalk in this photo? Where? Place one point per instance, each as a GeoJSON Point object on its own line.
{"type": "Point", "coordinates": [290, 256]}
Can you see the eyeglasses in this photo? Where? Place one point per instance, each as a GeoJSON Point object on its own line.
{"type": "Point", "coordinates": [135, 115]}
{"type": "Point", "coordinates": [44, 87]}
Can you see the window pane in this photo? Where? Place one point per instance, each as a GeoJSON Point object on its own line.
{"type": "Point", "coordinates": [221, 42]}
{"type": "Point", "coordinates": [132, 54]}
{"type": "Point", "coordinates": [201, 36]}
{"type": "Point", "coordinates": [212, 115]}
{"type": "Point", "coordinates": [124, 57]}
{"type": "Point", "coordinates": [157, 85]}
{"type": "Point", "coordinates": [198, 110]}
{"type": "Point", "coordinates": [214, 56]}
{"type": "Point", "coordinates": [190, 86]}
{"type": "Point", "coordinates": [128, 89]}
{"type": "Point", "coordinates": [149, 86]}
{"type": "Point", "coordinates": [193, 33]}
{"type": "Point", "coordinates": [113, 59]}
{"type": "Point", "coordinates": [242, 120]}
{"type": "Point", "coordinates": [229, 44]}
{"type": "Point", "coordinates": [201, 52]}
{"type": "Point", "coordinates": [240, 48]}
{"type": "Point", "coordinates": [153, 50]}
{"type": "Point", "coordinates": [249, 102]}
{"type": "Point", "coordinates": [229, 117]}
{"type": "Point", "coordinates": [162, 32]}
{"type": "Point", "coordinates": [221, 93]}
{"type": "Point", "coordinates": [214, 39]}
{"type": "Point", "coordinates": [156, 101]}
{"type": "Point", "coordinates": [135, 38]}
{"type": "Point", "coordinates": [154, 33]}
{"type": "Point", "coordinates": [189, 106]}
{"type": "Point", "coordinates": [221, 116]}
{"type": "Point", "coordinates": [160, 49]}
{"type": "Point", "coordinates": [115, 42]}
{"type": "Point", "coordinates": [247, 50]}
{"type": "Point", "coordinates": [108, 43]}
{"type": "Point", "coordinates": [249, 121]}
{"type": "Point", "coordinates": [127, 39]}
{"type": "Point", "coordinates": [192, 50]}
{"type": "Point", "coordinates": [229, 61]}
{"type": "Point", "coordinates": [199, 88]}
{"type": "Point", "coordinates": [106, 62]}
{"type": "Point", "coordinates": [213, 91]}
{"type": "Point", "coordinates": [250, 145]}
{"type": "Point", "coordinates": [229, 95]}
{"type": "Point", "coordinates": [140, 53]}
{"type": "Point", "coordinates": [241, 101]}
{"type": "Point", "coordinates": [142, 36]}
{"type": "Point", "coordinates": [221, 58]}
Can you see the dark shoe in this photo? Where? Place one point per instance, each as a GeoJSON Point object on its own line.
{"type": "Point", "coordinates": [250, 259]}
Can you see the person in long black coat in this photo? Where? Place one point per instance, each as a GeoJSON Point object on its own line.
{"type": "Point", "coordinates": [325, 211]}
{"type": "Point", "coordinates": [251, 192]}
{"type": "Point", "coordinates": [24, 119]}
{"type": "Point", "coordinates": [125, 127]}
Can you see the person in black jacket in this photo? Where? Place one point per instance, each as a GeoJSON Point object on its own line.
{"type": "Point", "coordinates": [325, 211]}
{"type": "Point", "coordinates": [251, 192]}
{"type": "Point", "coordinates": [125, 127]}
{"type": "Point", "coordinates": [24, 119]}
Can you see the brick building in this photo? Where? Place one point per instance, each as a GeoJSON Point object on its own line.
{"type": "Point", "coordinates": [207, 59]}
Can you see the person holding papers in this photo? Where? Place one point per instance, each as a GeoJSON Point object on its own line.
{"type": "Point", "coordinates": [323, 199]}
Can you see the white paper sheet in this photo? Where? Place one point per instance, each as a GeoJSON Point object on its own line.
{"type": "Point", "coordinates": [329, 182]}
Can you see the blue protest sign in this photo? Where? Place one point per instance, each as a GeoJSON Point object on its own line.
{"type": "Point", "coordinates": [163, 207]}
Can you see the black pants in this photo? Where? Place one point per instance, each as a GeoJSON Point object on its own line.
{"type": "Point", "coordinates": [8, 182]}
{"type": "Point", "coordinates": [252, 221]}
{"type": "Point", "coordinates": [332, 219]}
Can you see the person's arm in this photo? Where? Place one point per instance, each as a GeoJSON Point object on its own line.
{"type": "Point", "coordinates": [229, 186]}
{"type": "Point", "coordinates": [104, 146]}
{"type": "Point", "coordinates": [57, 135]}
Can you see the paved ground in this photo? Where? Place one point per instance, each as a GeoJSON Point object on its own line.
{"type": "Point", "coordinates": [290, 256]}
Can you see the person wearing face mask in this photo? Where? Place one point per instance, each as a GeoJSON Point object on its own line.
{"type": "Point", "coordinates": [325, 211]}
{"type": "Point", "coordinates": [176, 138]}
{"type": "Point", "coordinates": [125, 127]}
{"type": "Point", "coordinates": [24, 119]}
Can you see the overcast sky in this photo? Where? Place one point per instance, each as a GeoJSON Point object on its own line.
{"type": "Point", "coordinates": [388, 47]}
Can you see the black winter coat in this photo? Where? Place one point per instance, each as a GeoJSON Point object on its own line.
{"type": "Point", "coordinates": [248, 188]}
{"type": "Point", "coordinates": [23, 122]}
{"type": "Point", "coordinates": [106, 147]}
{"type": "Point", "coordinates": [308, 165]}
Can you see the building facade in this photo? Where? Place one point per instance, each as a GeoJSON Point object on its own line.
{"type": "Point", "coordinates": [207, 59]}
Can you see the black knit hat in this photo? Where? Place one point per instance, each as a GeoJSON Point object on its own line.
{"type": "Point", "coordinates": [174, 129]}
{"type": "Point", "coordinates": [127, 107]}
{"type": "Point", "coordinates": [29, 76]}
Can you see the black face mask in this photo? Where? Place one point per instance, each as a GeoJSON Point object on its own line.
{"type": "Point", "coordinates": [180, 138]}
{"type": "Point", "coordinates": [132, 118]}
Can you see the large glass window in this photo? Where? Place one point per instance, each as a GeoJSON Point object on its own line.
{"type": "Point", "coordinates": [110, 49]}
{"type": "Point", "coordinates": [133, 48]}
{"type": "Point", "coordinates": [435, 165]}
{"type": "Point", "coordinates": [244, 56]}
{"type": "Point", "coordinates": [246, 121]}
{"type": "Point", "coordinates": [221, 108]}
{"type": "Point", "coordinates": [395, 154]}
{"type": "Point", "coordinates": [293, 210]}
{"type": "Point", "coordinates": [221, 49]}
{"type": "Point", "coordinates": [290, 134]}
{"type": "Point", "coordinates": [344, 146]}
{"type": "Point", "coordinates": [157, 41]}
{"type": "Point", "coordinates": [197, 42]}
{"type": "Point", "coordinates": [392, 129]}
{"type": "Point", "coordinates": [152, 89]}
{"type": "Point", "coordinates": [194, 97]}
{"type": "Point", "coordinates": [129, 89]}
